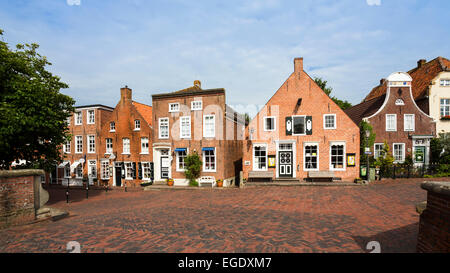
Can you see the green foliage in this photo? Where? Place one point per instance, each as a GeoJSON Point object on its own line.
{"type": "Point", "coordinates": [33, 113]}
{"type": "Point", "coordinates": [323, 85]}
{"type": "Point", "coordinates": [440, 149]}
{"type": "Point", "coordinates": [385, 160]}
{"type": "Point", "coordinates": [247, 119]}
{"type": "Point", "coordinates": [364, 142]}
{"type": "Point", "coordinates": [408, 161]}
{"type": "Point", "coordinates": [193, 166]}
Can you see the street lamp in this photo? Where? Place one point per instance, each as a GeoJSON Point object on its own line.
{"type": "Point", "coordinates": [367, 131]}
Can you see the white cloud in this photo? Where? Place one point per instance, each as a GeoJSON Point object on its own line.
{"type": "Point", "coordinates": [373, 2]}
{"type": "Point", "coordinates": [73, 2]}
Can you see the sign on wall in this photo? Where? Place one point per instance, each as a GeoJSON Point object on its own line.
{"type": "Point", "coordinates": [271, 159]}
{"type": "Point", "coordinates": [351, 160]}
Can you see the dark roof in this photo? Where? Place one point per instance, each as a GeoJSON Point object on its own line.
{"type": "Point", "coordinates": [365, 109]}
{"type": "Point", "coordinates": [94, 105]}
{"type": "Point", "coordinates": [422, 77]}
{"type": "Point", "coordinates": [193, 90]}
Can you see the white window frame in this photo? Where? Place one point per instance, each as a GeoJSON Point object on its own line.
{"type": "Point", "coordinates": [109, 150]}
{"type": "Point", "coordinates": [112, 126]}
{"type": "Point", "coordinates": [79, 171]}
{"type": "Point", "coordinates": [387, 123]}
{"type": "Point", "coordinates": [137, 125]}
{"type": "Point", "coordinates": [274, 124]}
{"type": "Point", "coordinates": [159, 127]}
{"type": "Point", "coordinates": [332, 143]}
{"type": "Point", "coordinates": [90, 161]}
{"type": "Point", "coordinates": [77, 138]}
{"type": "Point", "coordinates": [128, 145]}
{"type": "Point", "coordinates": [188, 120]}
{"type": "Point", "coordinates": [213, 124]}
{"type": "Point", "coordinates": [445, 105]}
{"type": "Point", "coordinates": [413, 125]}
{"type": "Point", "coordinates": [69, 120]}
{"type": "Point", "coordinates": [255, 163]}
{"type": "Point", "coordinates": [317, 156]}
{"type": "Point", "coordinates": [89, 116]}
{"type": "Point", "coordinates": [444, 82]}
{"type": "Point", "coordinates": [196, 105]}
{"type": "Point", "coordinates": [145, 167]}
{"type": "Point", "coordinates": [375, 154]}
{"type": "Point", "coordinates": [403, 152]}
{"type": "Point", "coordinates": [67, 147]}
{"type": "Point", "coordinates": [143, 151]}
{"type": "Point", "coordinates": [66, 171]}
{"type": "Point", "coordinates": [304, 127]}
{"type": "Point", "coordinates": [130, 164]}
{"type": "Point", "coordinates": [325, 123]}
{"type": "Point", "coordinates": [79, 118]}
{"type": "Point", "coordinates": [204, 161]}
{"type": "Point", "coordinates": [90, 151]}
{"type": "Point", "coordinates": [176, 107]}
{"type": "Point", "coordinates": [104, 170]}
{"type": "Point", "coordinates": [178, 160]}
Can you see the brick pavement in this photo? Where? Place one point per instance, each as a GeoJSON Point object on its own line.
{"type": "Point", "coordinates": [265, 219]}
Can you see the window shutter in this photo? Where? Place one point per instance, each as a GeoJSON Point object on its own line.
{"type": "Point", "coordinates": [151, 171]}
{"type": "Point", "coordinates": [140, 170]}
{"type": "Point", "coordinates": [289, 126]}
{"type": "Point", "coordinates": [308, 125]}
{"type": "Point", "coordinates": [134, 170]}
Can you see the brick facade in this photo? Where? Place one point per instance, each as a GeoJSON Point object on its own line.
{"type": "Point", "coordinates": [300, 98]}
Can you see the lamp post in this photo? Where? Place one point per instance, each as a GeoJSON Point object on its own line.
{"type": "Point", "coordinates": [367, 155]}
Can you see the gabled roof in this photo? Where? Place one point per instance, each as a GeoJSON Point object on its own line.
{"type": "Point", "coordinates": [365, 109]}
{"type": "Point", "coordinates": [422, 77]}
{"type": "Point", "coordinates": [145, 111]}
{"type": "Point", "coordinates": [193, 90]}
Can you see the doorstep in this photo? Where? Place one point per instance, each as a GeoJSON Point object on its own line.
{"type": "Point", "coordinates": [291, 184]}
{"type": "Point", "coordinates": [165, 187]}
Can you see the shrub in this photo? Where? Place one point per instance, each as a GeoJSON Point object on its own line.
{"type": "Point", "coordinates": [193, 166]}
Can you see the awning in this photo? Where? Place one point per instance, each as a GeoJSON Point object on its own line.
{"type": "Point", "coordinates": [180, 149]}
{"type": "Point", "coordinates": [208, 149]}
{"type": "Point", "coordinates": [63, 165]}
{"type": "Point", "coordinates": [74, 166]}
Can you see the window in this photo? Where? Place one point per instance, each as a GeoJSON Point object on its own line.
{"type": "Point", "coordinates": [68, 121]}
{"type": "Point", "coordinates": [311, 156]}
{"type": "Point", "coordinates": [399, 152]}
{"type": "Point", "coordinates": [181, 155]}
{"type": "Point", "coordinates": [337, 156]}
{"type": "Point", "coordinates": [126, 146]}
{"type": "Point", "coordinates": [137, 125]}
{"type": "Point", "coordinates": [144, 145]}
{"type": "Point", "coordinates": [91, 143]}
{"type": "Point", "coordinates": [196, 105]}
{"type": "Point", "coordinates": [104, 169]}
{"type": "Point", "coordinates": [91, 116]}
{"type": "Point", "coordinates": [269, 123]}
{"type": "Point", "coordinates": [112, 126]}
{"type": "Point", "coordinates": [92, 168]}
{"type": "Point", "coordinates": [209, 126]}
{"type": "Point", "coordinates": [329, 121]}
{"type": "Point", "coordinates": [299, 125]}
{"type": "Point", "coordinates": [378, 150]}
{"type": "Point", "coordinates": [79, 171]}
{"type": "Point", "coordinates": [67, 170]}
{"type": "Point", "coordinates": [109, 146]}
{"type": "Point", "coordinates": [146, 172]}
{"type": "Point", "coordinates": [185, 127]}
{"type": "Point", "coordinates": [445, 82]}
{"type": "Point", "coordinates": [174, 107]}
{"type": "Point", "coordinates": [79, 144]}
{"type": "Point", "coordinates": [408, 121]}
{"type": "Point", "coordinates": [128, 170]}
{"type": "Point", "coordinates": [209, 159]}
{"type": "Point", "coordinates": [445, 107]}
{"type": "Point", "coordinates": [66, 147]}
{"type": "Point", "coordinates": [78, 118]}
{"type": "Point", "coordinates": [391, 122]}
{"type": "Point", "coordinates": [259, 157]}
{"type": "Point", "coordinates": [164, 128]}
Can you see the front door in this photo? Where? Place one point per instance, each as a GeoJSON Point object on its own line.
{"type": "Point", "coordinates": [118, 169]}
{"type": "Point", "coordinates": [419, 154]}
{"type": "Point", "coordinates": [285, 164]}
{"type": "Point", "coordinates": [165, 164]}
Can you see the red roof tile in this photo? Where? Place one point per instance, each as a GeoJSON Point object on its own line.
{"type": "Point", "coordinates": [145, 111]}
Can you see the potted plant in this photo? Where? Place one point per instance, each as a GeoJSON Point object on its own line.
{"type": "Point", "coordinates": [219, 182]}
{"type": "Point", "coordinates": [169, 181]}
{"type": "Point", "coordinates": [146, 183]}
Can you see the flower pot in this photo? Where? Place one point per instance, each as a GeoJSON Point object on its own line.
{"type": "Point", "coordinates": [219, 183]}
{"type": "Point", "coordinates": [169, 182]}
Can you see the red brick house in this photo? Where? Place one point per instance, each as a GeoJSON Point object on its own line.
{"type": "Point", "coordinates": [301, 131]}
{"type": "Point", "coordinates": [396, 118]}
{"type": "Point", "coordinates": [81, 153]}
{"type": "Point", "coordinates": [125, 154]}
{"type": "Point", "coordinates": [196, 120]}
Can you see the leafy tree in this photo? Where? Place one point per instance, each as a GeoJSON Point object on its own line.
{"type": "Point", "coordinates": [440, 149]}
{"type": "Point", "coordinates": [364, 142]}
{"type": "Point", "coordinates": [193, 166]}
{"type": "Point", "coordinates": [385, 160]}
{"type": "Point", "coordinates": [247, 119]}
{"type": "Point", "coordinates": [33, 113]}
{"type": "Point", "coordinates": [343, 104]}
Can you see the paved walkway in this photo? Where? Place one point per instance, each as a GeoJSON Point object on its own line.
{"type": "Point", "coordinates": [265, 219]}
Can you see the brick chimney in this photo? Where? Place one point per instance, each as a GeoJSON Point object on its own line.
{"type": "Point", "coordinates": [198, 83]}
{"type": "Point", "coordinates": [421, 62]}
{"type": "Point", "coordinates": [125, 93]}
{"type": "Point", "coordinates": [382, 81]}
{"type": "Point", "coordinates": [298, 65]}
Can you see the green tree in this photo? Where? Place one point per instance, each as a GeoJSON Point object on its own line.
{"type": "Point", "coordinates": [193, 166]}
{"type": "Point", "coordinates": [33, 113]}
{"type": "Point", "coordinates": [343, 104]}
{"type": "Point", "coordinates": [364, 142]}
{"type": "Point", "coordinates": [385, 160]}
{"type": "Point", "coordinates": [247, 119]}
{"type": "Point", "coordinates": [440, 149]}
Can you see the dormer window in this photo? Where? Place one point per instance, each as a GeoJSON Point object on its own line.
{"type": "Point", "coordinates": [112, 126]}
{"type": "Point", "coordinates": [174, 107]}
{"type": "Point", "coordinates": [137, 125]}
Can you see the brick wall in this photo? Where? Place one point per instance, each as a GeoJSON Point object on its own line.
{"type": "Point", "coordinates": [434, 226]}
{"type": "Point", "coordinates": [17, 196]}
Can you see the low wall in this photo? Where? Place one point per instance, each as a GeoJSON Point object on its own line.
{"type": "Point", "coordinates": [434, 226]}
{"type": "Point", "coordinates": [20, 196]}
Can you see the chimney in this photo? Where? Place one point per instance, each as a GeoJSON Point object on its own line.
{"type": "Point", "coordinates": [421, 62]}
{"type": "Point", "coordinates": [298, 65]}
{"type": "Point", "coordinates": [198, 83]}
{"type": "Point", "coordinates": [382, 81]}
{"type": "Point", "coordinates": [125, 93]}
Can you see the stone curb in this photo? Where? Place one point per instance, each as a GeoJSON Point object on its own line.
{"type": "Point", "coordinates": [311, 184]}
{"type": "Point", "coordinates": [157, 187]}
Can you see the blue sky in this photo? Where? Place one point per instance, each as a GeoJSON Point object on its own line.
{"type": "Point", "coordinates": [246, 47]}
